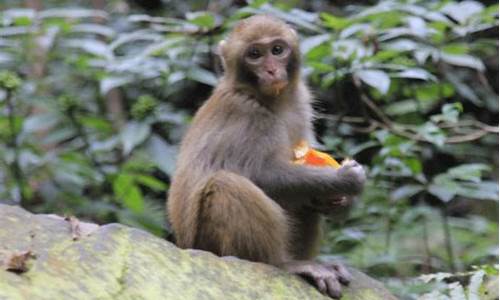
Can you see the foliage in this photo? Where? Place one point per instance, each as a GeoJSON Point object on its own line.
{"type": "Point", "coordinates": [93, 104]}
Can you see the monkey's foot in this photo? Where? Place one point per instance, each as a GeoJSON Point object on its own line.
{"type": "Point", "coordinates": [327, 277]}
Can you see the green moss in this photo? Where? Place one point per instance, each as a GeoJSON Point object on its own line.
{"type": "Point", "coordinates": [118, 262]}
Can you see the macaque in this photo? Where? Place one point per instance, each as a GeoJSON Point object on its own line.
{"type": "Point", "coordinates": [236, 191]}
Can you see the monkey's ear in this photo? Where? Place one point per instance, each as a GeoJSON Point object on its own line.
{"type": "Point", "coordinates": [221, 48]}
{"type": "Point", "coordinates": [221, 52]}
{"type": "Point", "coordinates": [293, 30]}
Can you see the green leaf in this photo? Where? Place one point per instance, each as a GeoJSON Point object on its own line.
{"type": "Point", "coordinates": [319, 52]}
{"type": "Point", "coordinates": [384, 56]}
{"type": "Point", "coordinates": [202, 19]}
{"type": "Point", "coordinates": [162, 154]}
{"type": "Point", "coordinates": [464, 180]}
{"type": "Point", "coordinates": [72, 13]}
{"type": "Point", "coordinates": [202, 75]}
{"type": "Point", "coordinates": [464, 89]}
{"type": "Point", "coordinates": [375, 78]}
{"type": "Point", "coordinates": [407, 106]}
{"type": "Point", "coordinates": [468, 172]}
{"type": "Point", "coordinates": [58, 135]}
{"type": "Point", "coordinates": [434, 91]}
{"type": "Point", "coordinates": [491, 270]}
{"type": "Point", "coordinates": [41, 121]}
{"type": "Point", "coordinates": [417, 26]}
{"type": "Point", "coordinates": [321, 67]}
{"type": "Point", "coordinates": [406, 191]}
{"type": "Point", "coordinates": [401, 107]}
{"type": "Point", "coordinates": [111, 82]}
{"type": "Point", "coordinates": [23, 21]}
{"type": "Point", "coordinates": [94, 47]}
{"type": "Point", "coordinates": [486, 190]}
{"type": "Point", "coordinates": [462, 11]}
{"type": "Point", "coordinates": [128, 192]}
{"type": "Point", "coordinates": [9, 16]}
{"type": "Point", "coordinates": [257, 3]}
{"type": "Point", "coordinates": [445, 192]}
{"type": "Point", "coordinates": [463, 60]}
{"type": "Point", "coordinates": [331, 21]}
{"type": "Point", "coordinates": [94, 29]}
{"type": "Point", "coordinates": [432, 133]}
{"type": "Point", "coordinates": [415, 73]}
{"type": "Point", "coordinates": [133, 134]}
{"type": "Point", "coordinates": [450, 113]}
{"type": "Point", "coordinates": [9, 80]}
{"type": "Point", "coordinates": [355, 28]}
{"type": "Point", "coordinates": [455, 49]}
{"type": "Point", "coordinates": [151, 182]}
{"type": "Point", "coordinates": [312, 42]}
{"type": "Point", "coordinates": [151, 219]}
{"type": "Point", "coordinates": [414, 164]}
{"type": "Point", "coordinates": [352, 151]}
{"type": "Point", "coordinates": [97, 123]}
{"type": "Point", "coordinates": [289, 17]}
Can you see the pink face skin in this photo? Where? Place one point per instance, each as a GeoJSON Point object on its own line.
{"type": "Point", "coordinates": [268, 59]}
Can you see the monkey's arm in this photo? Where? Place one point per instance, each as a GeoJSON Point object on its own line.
{"type": "Point", "coordinates": [285, 179]}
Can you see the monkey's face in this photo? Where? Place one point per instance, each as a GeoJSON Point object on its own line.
{"type": "Point", "coordinates": [266, 65]}
{"type": "Point", "coordinates": [262, 53]}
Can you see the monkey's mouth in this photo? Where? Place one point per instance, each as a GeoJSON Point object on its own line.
{"type": "Point", "coordinates": [274, 87]}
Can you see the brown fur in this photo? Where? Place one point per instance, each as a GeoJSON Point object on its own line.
{"type": "Point", "coordinates": [235, 191]}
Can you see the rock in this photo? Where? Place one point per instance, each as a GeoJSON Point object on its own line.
{"type": "Point", "coordinates": [118, 262]}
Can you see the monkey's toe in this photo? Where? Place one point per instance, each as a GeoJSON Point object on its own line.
{"type": "Point", "coordinates": [343, 275]}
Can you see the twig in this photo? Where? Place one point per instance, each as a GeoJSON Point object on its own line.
{"type": "Point", "coordinates": [14, 166]}
{"type": "Point", "coordinates": [428, 255]}
{"type": "Point", "coordinates": [86, 143]}
{"type": "Point", "coordinates": [406, 130]}
{"type": "Point", "coordinates": [388, 234]}
{"type": "Point", "coordinates": [469, 123]}
{"type": "Point", "coordinates": [446, 125]}
{"type": "Point", "coordinates": [466, 138]}
{"type": "Point", "coordinates": [447, 239]}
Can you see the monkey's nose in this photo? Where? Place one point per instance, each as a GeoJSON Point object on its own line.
{"type": "Point", "coordinates": [271, 72]}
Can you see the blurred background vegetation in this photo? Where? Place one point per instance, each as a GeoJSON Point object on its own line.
{"type": "Point", "coordinates": [96, 95]}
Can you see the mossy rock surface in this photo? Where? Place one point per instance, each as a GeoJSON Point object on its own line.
{"type": "Point", "coordinates": [118, 262]}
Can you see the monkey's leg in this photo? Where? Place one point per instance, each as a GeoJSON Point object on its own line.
{"type": "Point", "coordinates": [327, 277]}
{"type": "Point", "coordinates": [236, 218]}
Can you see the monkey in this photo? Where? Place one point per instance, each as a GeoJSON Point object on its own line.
{"type": "Point", "coordinates": [235, 191]}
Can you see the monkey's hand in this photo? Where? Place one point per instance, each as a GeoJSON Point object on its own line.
{"type": "Point", "coordinates": [335, 207]}
{"type": "Point", "coordinates": [326, 277]}
{"type": "Point", "coordinates": [353, 175]}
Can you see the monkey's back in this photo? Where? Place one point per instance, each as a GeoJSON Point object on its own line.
{"type": "Point", "coordinates": [223, 136]}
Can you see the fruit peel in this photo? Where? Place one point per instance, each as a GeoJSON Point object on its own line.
{"type": "Point", "coordinates": [304, 154]}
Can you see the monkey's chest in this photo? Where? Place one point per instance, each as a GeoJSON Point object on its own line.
{"type": "Point", "coordinates": [297, 128]}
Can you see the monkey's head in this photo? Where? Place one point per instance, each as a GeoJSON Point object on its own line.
{"type": "Point", "coordinates": [262, 53]}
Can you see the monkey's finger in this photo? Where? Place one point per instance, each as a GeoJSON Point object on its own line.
{"type": "Point", "coordinates": [334, 288]}
{"type": "Point", "coordinates": [349, 163]}
{"type": "Point", "coordinates": [344, 276]}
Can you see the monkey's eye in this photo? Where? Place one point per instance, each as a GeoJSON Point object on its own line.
{"type": "Point", "coordinates": [254, 53]}
{"type": "Point", "coordinates": [277, 50]}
